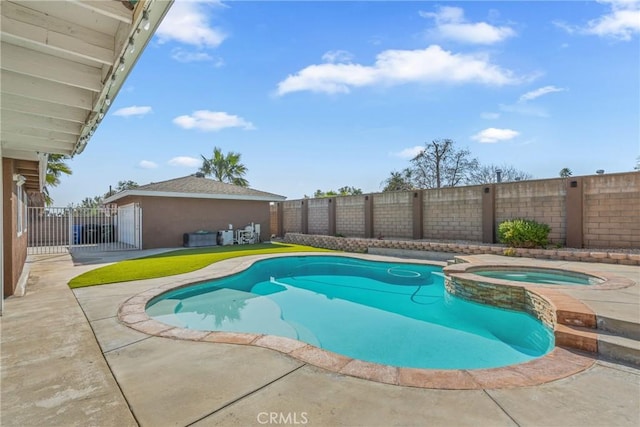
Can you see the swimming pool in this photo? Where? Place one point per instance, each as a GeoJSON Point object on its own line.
{"type": "Point", "coordinates": [389, 313]}
{"type": "Point", "coordinates": [539, 276]}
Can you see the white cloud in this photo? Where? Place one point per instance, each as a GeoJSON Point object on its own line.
{"type": "Point", "coordinates": [539, 92]}
{"type": "Point", "coordinates": [182, 55]}
{"type": "Point", "coordinates": [524, 109]}
{"type": "Point", "coordinates": [451, 25]}
{"type": "Point", "coordinates": [335, 56]}
{"type": "Point", "coordinates": [490, 116]}
{"type": "Point", "coordinates": [622, 21]}
{"type": "Point", "coordinates": [206, 120]}
{"type": "Point", "coordinates": [393, 67]}
{"type": "Point", "coordinates": [188, 22]}
{"type": "Point", "coordinates": [493, 135]}
{"type": "Point", "coordinates": [409, 153]}
{"type": "Point", "coordinates": [185, 161]}
{"type": "Point", "coordinates": [134, 110]}
{"type": "Point", "coordinates": [147, 164]}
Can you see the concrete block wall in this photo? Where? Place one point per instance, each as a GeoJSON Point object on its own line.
{"type": "Point", "coordinates": [611, 205]}
{"type": "Point", "coordinates": [453, 213]}
{"type": "Point", "coordinates": [393, 214]}
{"type": "Point", "coordinates": [292, 216]}
{"type": "Point", "coordinates": [542, 201]}
{"type": "Point", "coordinates": [350, 216]}
{"type": "Point", "coordinates": [318, 216]}
{"type": "Point", "coordinates": [598, 211]}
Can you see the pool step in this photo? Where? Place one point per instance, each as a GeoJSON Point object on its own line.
{"type": "Point", "coordinates": [613, 339]}
{"type": "Point", "coordinates": [619, 327]}
{"type": "Point", "coordinates": [580, 338]}
{"type": "Point", "coordinates": [619, 348]}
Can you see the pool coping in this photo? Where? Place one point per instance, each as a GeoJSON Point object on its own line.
{"type": "Point", "coordinates": [559, 363]}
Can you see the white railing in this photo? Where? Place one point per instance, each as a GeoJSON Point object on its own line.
{"type": "Point", "coordinates": [105, 228]}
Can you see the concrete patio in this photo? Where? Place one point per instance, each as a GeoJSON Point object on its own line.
{"type": "Point", "coordinates": [67, 360]}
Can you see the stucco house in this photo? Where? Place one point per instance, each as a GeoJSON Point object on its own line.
{"type": "Point", "coordinates": [193, 203]}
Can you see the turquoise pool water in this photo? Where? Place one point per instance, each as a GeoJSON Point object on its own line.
{"type": "Point", "coordinates": [393, 314]}
{"type": "Point", "coordinates": [540, 276]}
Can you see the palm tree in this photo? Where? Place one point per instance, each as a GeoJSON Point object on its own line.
{"type": "Point", "coordinates": [225, 168]}
{"type": "Point", "coordinates": [55, 168]}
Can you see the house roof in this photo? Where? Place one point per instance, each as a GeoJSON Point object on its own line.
{"type": "Point", "coordinates": [61, 67]}
{"type": "Point", "coordinates": [197, 187]}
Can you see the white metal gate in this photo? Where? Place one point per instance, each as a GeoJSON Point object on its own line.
{"type": "Point", "coordinates": [104, 228]}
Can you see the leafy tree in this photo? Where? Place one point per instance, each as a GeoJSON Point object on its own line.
{"type": "Point", "coordinates": [55, 168]}
{"type": "Point", "coordinates": [440, 164]}
{"type": "Point", "coordinates": [565, 173]}
{"type": "Point", "coordinates": [225, 168]}
{"type": "Point", "coordinates": [343, 191]}
{"type": "Point", "coordinates": [398, 181]}
{"type": "Point", "coordinates": [349, 191]}
{"type": "Point", "coordinates": [637, 166]}
{"type": "Point", "coordinates": [487, 174]}
{"type": "Point", "coordinates": [122, 186]}
{"type": "Point", "coordinates": [89, 202]}
{"type": "Point", "coordinates": [126, 185]}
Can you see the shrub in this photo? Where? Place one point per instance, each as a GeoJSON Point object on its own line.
{"type": "Point", "coordinates": [523, 233]}
{"type": "Point", "coordinates": [510, 252]}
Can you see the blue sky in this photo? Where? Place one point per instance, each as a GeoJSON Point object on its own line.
{"type": "Point", "coordinates": [320, 95]}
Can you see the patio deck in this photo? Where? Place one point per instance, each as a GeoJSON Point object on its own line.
{"type": "Point", "coordinates": [66, 360]}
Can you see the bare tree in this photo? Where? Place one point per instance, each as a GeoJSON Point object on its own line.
{"type": "Point", "coordinates": [487, 174]}
{"type": "Point", "coordinates": [440, 164]}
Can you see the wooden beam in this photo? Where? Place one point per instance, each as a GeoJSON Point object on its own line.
{"type": "Point", "coordinates": [41, 146]}
{"type": "Point", "coordinates": [111, 9]}
{"type": "Point", "coordinates": [49, 67]}
{"type": "Point", "coordinates": [19, 104]}
{"type": "Point", "coordinates": [43, 90]}
{"type": "Point", "coordinates": [17, 153]}
{"type": "Point", "coordinates": [54, 43]}
{"type": "Point", "coordinates": [28, 134]}
{"type": "Point", "coordinates": [69, 27]}
{"type": "Point", "coordinates": [13, 121]}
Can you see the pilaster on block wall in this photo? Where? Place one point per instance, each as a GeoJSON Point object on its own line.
{"type": "Point", "coordinates": [332, 216]}
{"type": "Point", "coordinates": [574, 212]}
{"type": "Point", "coordinates": [417, 214]}
{"type": "Point", "coordinates": [488, 214]}
{"type": "Point", "coordinates": [368, 216]}
{"type": "Point", "coordinates": [305, 217]}
{"type": "Point", "coordinates": [280, 222]}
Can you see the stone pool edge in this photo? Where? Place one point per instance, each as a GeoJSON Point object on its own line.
{"type": "Point", "coordinates": [559, 363]}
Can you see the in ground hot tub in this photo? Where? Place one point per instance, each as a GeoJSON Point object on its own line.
{"type": "Point", "coordinates": [539, 276]}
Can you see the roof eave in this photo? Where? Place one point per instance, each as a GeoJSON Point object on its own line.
{"type": "Point", "coordinates": [156, 10]}
{"type": "Point", "coordinates": [174, 194]}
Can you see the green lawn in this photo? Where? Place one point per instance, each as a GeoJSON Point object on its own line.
{"type": "Point", "coordinates": [178, 262]}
